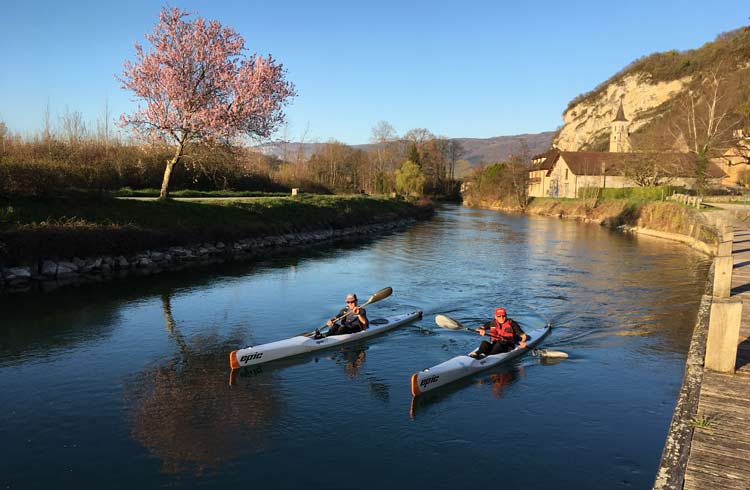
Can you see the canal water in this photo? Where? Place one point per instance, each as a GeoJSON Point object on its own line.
{"type": "Point", "coordinates": [126, 384]}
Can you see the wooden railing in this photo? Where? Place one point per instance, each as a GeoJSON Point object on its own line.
{"type": "Point", "coordinates": [696, 201]}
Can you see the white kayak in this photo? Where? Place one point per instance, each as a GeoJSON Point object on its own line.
{"type": "Point", "coordinates": [462, 366]}
{"type": "Point", "coordinates": [302, 344]}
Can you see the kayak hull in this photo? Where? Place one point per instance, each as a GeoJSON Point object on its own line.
{"type": "Point", "coordinates": [463, 366]}
{"type": "Point", "coordinates": [301, 344]}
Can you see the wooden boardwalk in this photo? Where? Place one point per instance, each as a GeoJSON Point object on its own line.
{"type": "Point", "coordinates": [720, 455]}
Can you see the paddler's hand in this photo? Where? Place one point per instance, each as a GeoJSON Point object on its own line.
{"type": "Point", "coordinates": [330, 322]}
{"type": "Point", "coordinates": [523, 341]}
{"type": "Point", "coordinates": [481, 331]}
{"type": "Point", "coordinates": [355, 310]}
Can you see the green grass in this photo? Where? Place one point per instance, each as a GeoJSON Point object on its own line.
{"type": "Point", "coordinates": [302, 210]}
{"type": "Point", "coordinates": [128, 192]}
{"type": "Point", "coordinates": [99, 225]}
{"type": "Point", "coordinates": [704, 422]}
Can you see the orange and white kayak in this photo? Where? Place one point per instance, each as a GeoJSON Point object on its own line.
{"type": "Point", "coordinates": [463, 366]}
{"type": "Point", "coordinates": [302, 344]}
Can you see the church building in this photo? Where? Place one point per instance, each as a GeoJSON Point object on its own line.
{"type": "Point", "coordinates": [558, 173]}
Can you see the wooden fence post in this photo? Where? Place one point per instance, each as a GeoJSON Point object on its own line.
{"type": "Point", "coordinates": [724, 249]}
{"type": "Point", "coordinates": [723, 276]}
{"type": "Point", "coordinates": [727, 233]}
{"type": "Point", "coordinates": [723, 334]}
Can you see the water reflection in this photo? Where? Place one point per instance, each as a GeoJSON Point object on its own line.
{"type": "Point", "coordinates": [51, 330]}
{"type": "Point", "coordinates": [184, 412]}
{"type": "Point", "coordinates": [496, 380]}
{"type": "Point", "coordinates": [499, 381]}
{"type": "Point", "coordinates": [154, 367]}
{"type": "Point", "coordinates": [353, 359]}
{"type": "Point", "coordinates": [350, 358]}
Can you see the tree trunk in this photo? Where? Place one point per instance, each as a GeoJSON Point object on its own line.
{"type": "Point", "coordinates": [164, 193]}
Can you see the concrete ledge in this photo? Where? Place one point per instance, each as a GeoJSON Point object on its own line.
{"type": "Point", "coordinates": [674, 457]}
{"type": "Point", "coordinates": [706, 248]}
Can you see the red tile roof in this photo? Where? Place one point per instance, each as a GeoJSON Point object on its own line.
{"type": "Point", "coordinates": [592, 163]}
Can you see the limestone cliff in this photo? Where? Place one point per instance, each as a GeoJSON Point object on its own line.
{"type": "Point", "coordinates": [653, 89]}
{"type": "Point", "coordinates": [587, 124]}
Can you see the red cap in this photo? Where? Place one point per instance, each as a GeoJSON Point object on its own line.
{"type": "Point", "coordinates": [501, 311]}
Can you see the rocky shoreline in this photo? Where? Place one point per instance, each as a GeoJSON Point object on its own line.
{"type": "Point", "coordinates": [47, 275]}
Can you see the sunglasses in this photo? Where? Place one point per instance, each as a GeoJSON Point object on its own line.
{"type": "Point", "coordinates": [351, 301]}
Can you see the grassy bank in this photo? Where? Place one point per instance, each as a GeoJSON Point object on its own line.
{"type": "Point", "coordinates": [128, 192]}
{"type": "Point", "coordinates": [86, 225]}
{"type": "Point", "coordinates": [668, 217]}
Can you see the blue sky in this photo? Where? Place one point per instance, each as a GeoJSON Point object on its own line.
{"type": "Point", "coordinates": [459, 69]}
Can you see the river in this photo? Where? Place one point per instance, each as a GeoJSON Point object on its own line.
{"type": "Point", "coordinates": [126, 384]}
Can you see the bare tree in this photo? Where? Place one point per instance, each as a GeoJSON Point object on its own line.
{"type": "Point", "coordinates": [73, 126]}
{"type": "Point", "coordinates": [47, 131]}
{"type": "Point", "coordinates": [103, 125]}
{"type": "Point", "coordinates": [455, 152]}
{"type": "Point", "coordinates": [386, 156]}
{"type": "Point", "coordinates": [651, 169]}
{"type": "Point", "coordinates": [3, 132]}
{"type": "Point", "coordinates": [706, 123]}
{"type": "Point", "coordinates": [518, 167]}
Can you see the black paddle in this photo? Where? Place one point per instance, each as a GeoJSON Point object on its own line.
{"type": "Point", "coordinates": [451, 324]}
{"type": "Point", "coordinates": [380, 295]}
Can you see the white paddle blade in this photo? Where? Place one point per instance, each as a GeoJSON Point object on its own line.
{"type": "Point", "coordinates": [553, 354]}
{"type": "Point", "coordinates": [447, 322]}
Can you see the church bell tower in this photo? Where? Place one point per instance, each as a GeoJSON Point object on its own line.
{"type": "Point", "coordinates": [619, 141]}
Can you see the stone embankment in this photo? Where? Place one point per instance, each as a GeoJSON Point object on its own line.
{"type": "Point", "coordinates": [51, 274]}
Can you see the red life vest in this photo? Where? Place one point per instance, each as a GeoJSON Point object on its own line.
{"type": "Point", "coordinates": [504, 331]}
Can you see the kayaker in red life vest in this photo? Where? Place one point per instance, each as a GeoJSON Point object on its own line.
{"type": "Point", "coordinates": [504, 333]}
{"type": "Point", "coordinates": [354, 318]}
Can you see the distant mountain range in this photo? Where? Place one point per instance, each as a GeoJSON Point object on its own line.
{"type": "Point", "coordinates": [499, 148]}
{"type": "Point", "coordinates": [476, 150]}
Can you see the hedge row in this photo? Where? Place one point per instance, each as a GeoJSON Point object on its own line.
{"type": "Point", "coordinates": [657, 193]}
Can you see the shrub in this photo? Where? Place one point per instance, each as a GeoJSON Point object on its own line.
{"type": "Point", "coordinates": [657, 193]}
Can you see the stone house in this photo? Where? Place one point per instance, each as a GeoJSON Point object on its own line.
{"type": "Point", "coordinates": [558, 173]}
{"type": "Point", "coordinates": [564, 173]}
{"type": "Point", "coordinates": [735, 162]}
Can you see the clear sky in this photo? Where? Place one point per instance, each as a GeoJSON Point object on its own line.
{"type": "Point", "coordinates": [459, 69]}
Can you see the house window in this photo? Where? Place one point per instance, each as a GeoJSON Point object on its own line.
{"type": "Point", "coordinates": [566, 174]}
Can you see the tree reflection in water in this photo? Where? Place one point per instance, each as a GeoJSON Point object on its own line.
{"type": "Point", "coordinates": [186, 415]}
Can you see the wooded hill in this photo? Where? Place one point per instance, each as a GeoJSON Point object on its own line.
{"type": "Point", "coordinates": [476, 150]}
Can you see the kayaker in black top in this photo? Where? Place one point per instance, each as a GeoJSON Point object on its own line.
{"type": "Point", "coordinates": [354, 318]}
{"type": "Point", "coordinates": [503, 332]}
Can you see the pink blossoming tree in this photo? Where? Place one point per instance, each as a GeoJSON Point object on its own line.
{"type": "Point", "coordinates": [198, 84]}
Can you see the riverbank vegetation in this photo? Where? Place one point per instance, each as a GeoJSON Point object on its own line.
{"type": "Point", "coordinates": [503, 183]}
{"type": "Point", "coordinates": [87, 225]}
{"type": "Point", "coordinates": [69, 157]}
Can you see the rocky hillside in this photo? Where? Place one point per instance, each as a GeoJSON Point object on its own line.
{"type": "Point", "coordinates": [653, 90]}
